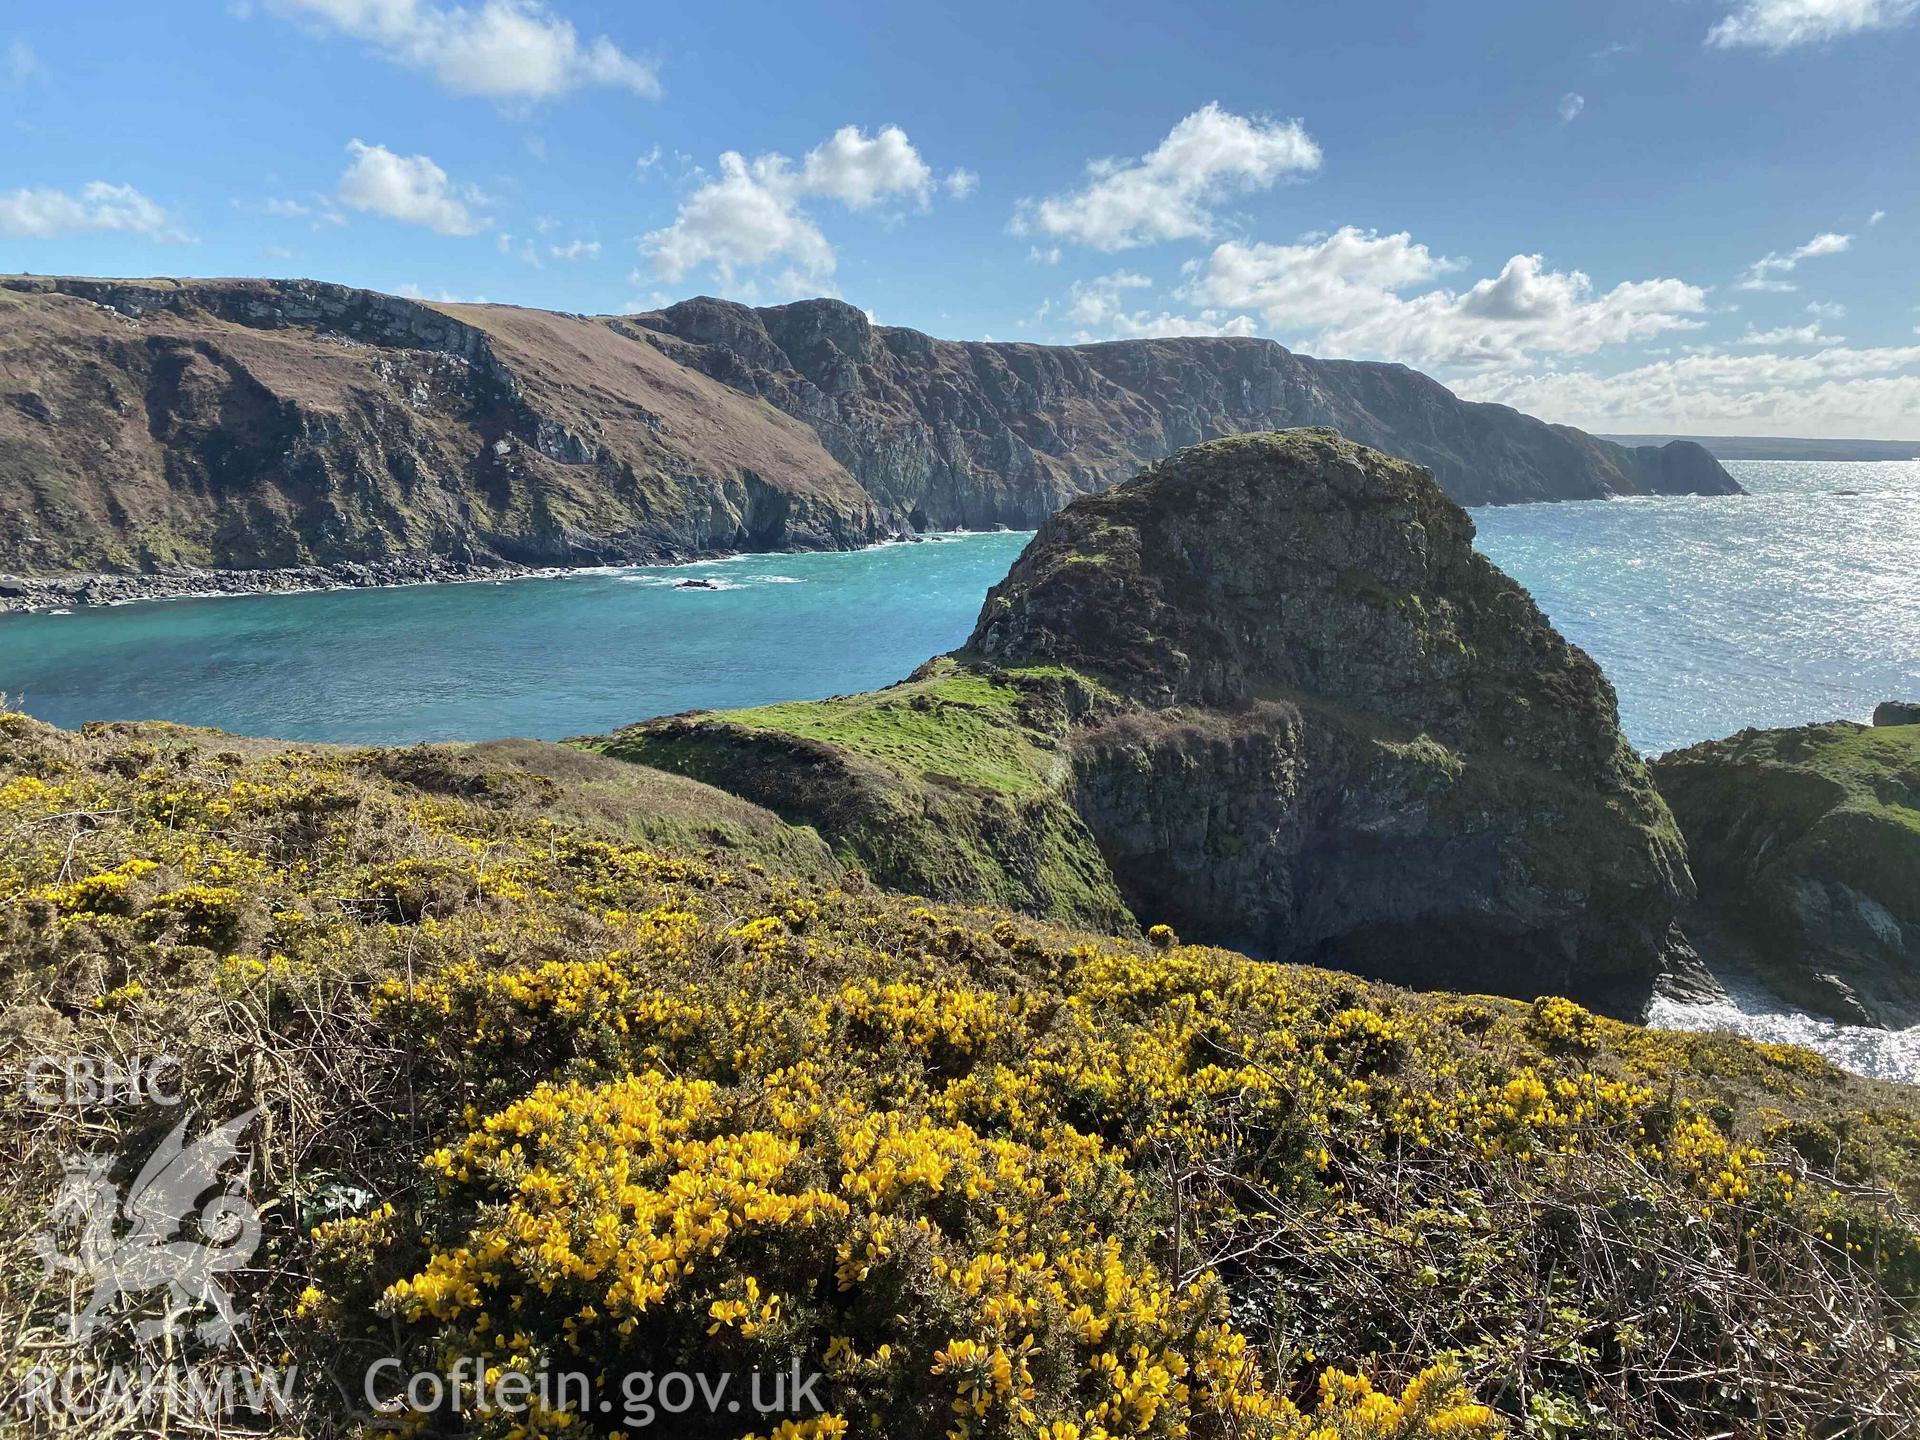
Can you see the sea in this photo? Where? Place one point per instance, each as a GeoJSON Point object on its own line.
{"type": "Point", "coordinates": [1798, 601]}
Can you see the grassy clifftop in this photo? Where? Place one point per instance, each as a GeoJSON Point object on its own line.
{"type": "Point", "coordinates": [1808, 842]}
{"type": "Point", "coordinates": [539, 1095]}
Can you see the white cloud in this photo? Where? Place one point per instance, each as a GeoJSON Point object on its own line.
{"type": "Point", "coordinates": [961, 183]}
{"type": "Point", "coordinates": [750, 215]}
{"type": "Point", "coordinates": [520, 248]}
{"type": "Point", "coordinates": [99, 206]}
{"type": "Point", "coordinates": [1791, 335]}
{"type": "Point", "coordinates": [1170, 192]}
{"type": "Point", "coordinates": [502, 49]}
{"type": "Point", "coordinates": [576, 250]}
{"type": "Point", "coordinates": [644, 163]}
{"type": "Point", "coordinates": [414, 292]}
{"type": "Point", "coordinates": [1827, 310]}
{"type": "Point", "coordinates": [20, 63]}
{"type": "Point", "coordinates": [410, 188]}
{"type": "Point", "coordinates": [1765, 273]}
{"type": "Point", "coordinates": [860, 172]}
{"type": "Point", "coordinates": [1571, 104]}
{"type": "Point", "coordinates": [287, 209]}
{"type": "Point", "coordinates": [1782, 24]}
{"type": "Point", "coordinates": [1093, 303]}
{"type": "Point", "coordinates": [1876, 217]}
{"type": "Point", "coordinates": [1048, 256]}
{"type": "Point", "coordinates": [1837, 391]}
{"type": "Point", "coordinates": [1097, 310]}
{"type": "Point", "coordinates": [1344, 292]}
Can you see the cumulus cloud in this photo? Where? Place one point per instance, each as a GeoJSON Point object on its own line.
{"type": "Point", "coordinates": [1171, 192]}
{"type": "Point", "coordinates": [410, 188]}
{"type": "Point", "coordinates": [1836, 391]}
{"type": "Point", "coordinates": [576, 250]}
{"type": "Point", "coordinates": [1791, 335]}
{"type": "Point", "coordinates": [860, 172]}
{"type": "Point", "coordinates": [41, 214]}
{"type": "Point", "coordinates": [961, 183]}
{"type": "Point", "coordinates": [1876, 217]}
{"type": "Point", "coordinates": [1778, 25]}
{"type": "Point", "coordinates": [1345, 291]}
{"type": "Point", "coordinates": [1827, 309]}
{"type": "Point", "coordinates": [1765, 273]}
{"type": "Point", "coordinates": [502, 49]}
{"type": "Point", "coordinates": [1097, 309]}
{"type": "Point", "coordinates": [1571, 104]}
{"type": "Point", "coordinates": [750, 214]}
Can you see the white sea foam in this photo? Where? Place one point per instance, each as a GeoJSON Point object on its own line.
{"type": "Point", "coordinates": [1757, 1013]}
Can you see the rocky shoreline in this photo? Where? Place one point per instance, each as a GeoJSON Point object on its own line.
{"type": "Point", "coordinates": [42, 593]}
{"type": "Point", "coordinates": [39, 594]}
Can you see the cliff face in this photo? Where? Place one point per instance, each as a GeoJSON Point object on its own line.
{"type": "Point", "coordinates": [244, 424]}
{"type": "Point", "coordinates": [263, 424]}
{"type": "Point", "coordinates": [972, 433]}
{"type": "Point", "coordinates": [1272, 692]}
{"type": "Point", "coordinates": [1807, 847]}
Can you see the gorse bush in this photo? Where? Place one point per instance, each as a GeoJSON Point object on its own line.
{"type": "Point", "coordinates": [551, 1102]}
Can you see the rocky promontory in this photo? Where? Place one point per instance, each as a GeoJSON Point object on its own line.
{"type": "Point", "coordinates": [156, 428]}
{"type": "Point", "coordinates": [1266, 693]}
{"type": "Point", "coordinates": [1806, 844]}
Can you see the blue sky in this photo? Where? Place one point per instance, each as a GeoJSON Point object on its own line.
{"type": "Point", "coordinates": [1687, 215]}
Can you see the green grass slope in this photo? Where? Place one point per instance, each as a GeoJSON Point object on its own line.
{"type": "Point", "coordinates": [1807, 843]}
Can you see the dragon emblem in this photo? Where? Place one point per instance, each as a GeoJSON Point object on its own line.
{"type": "Point", "coordinates": [156, 1251]}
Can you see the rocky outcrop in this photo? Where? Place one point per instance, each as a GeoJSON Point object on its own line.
{"type": "Point", "coordinates": [1806, 844]}
{"type": "Point", "coordinates": [973, 433]}
{"type": "Point", "coordinates": [1291, 711]}
{"type": "Point", "coordinates": [173, 426]}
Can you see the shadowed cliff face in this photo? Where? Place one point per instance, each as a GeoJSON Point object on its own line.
{"type": "Point", "coordinates": [147, 425]}
{"type": "Point", "coordinates": [972, 433]}
{"type": "Point", "coordinates": [1266, 693]}
{"type": "Point", "coordinates": [243, 424]}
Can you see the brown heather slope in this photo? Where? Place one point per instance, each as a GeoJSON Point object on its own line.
{"type": "Point", "coordinates": [152, 426]}
{"type": "Point", "coordinates": [265, 424]}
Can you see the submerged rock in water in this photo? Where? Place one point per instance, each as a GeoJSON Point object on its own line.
{"type": "Point", "coordinates": [1265, 692]}
{"type": "Point", "coordinates": [1806, 843]}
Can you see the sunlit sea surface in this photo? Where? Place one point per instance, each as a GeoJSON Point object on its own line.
{"type": "Point", "coordinates": [1797, 602]}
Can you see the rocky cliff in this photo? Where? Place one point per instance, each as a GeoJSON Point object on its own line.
{"type": "Point", "coordinates": [1266, 693]}
{"type": "Point", "coordinates": [265, 424]}
{"type": "Point", "coordinates": [1806, 843]}
{"type": "Point", "coordinates": [972, 433]}
{"type": "Point", "coordinates": [147, 426]}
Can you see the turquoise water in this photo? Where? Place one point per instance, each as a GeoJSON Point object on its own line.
{"type": "Point", "coordinates": [1797, 602]}
{"type": "Point", "coordinates": [542, 657]}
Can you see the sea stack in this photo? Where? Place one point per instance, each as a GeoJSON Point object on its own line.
{"type": "Point", "coordinates": [1265, 692]}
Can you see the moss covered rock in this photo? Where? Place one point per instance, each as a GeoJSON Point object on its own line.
{"type": "Point", "coordinates": [1807, 846]}
{"type": "Point", "coordinates": [1265, 692]}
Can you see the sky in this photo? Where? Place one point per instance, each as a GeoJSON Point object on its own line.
{"type": "Point", "coordinates": [1675, 216]}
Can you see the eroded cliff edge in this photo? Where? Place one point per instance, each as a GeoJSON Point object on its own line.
{"type": "Point", "coordinates": [1266, 693]}
{"type": "Point", "coordinates": [1806, 842]}
{"type": "Point", "coordinates": [151, 426]}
